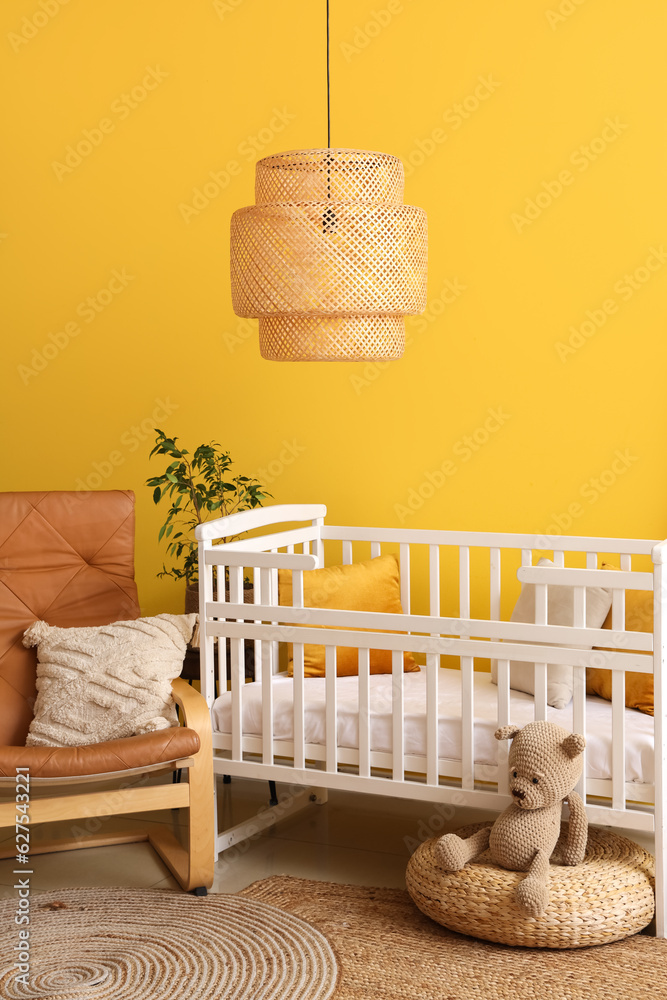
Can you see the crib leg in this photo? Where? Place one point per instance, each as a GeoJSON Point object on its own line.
{"type": "Point", "coordinates": [320, 796]}
{"type": "Point", "coordinates": [273, 801]}
{"type": "Point", "coordinates": [216, 830]}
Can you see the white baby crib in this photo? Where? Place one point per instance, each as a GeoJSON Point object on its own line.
{"type": "Point", "coordinates": [426, 735]}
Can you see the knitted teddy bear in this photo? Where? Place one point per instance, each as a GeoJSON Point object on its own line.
{"type": "Point", "coordinates": [545, 764]}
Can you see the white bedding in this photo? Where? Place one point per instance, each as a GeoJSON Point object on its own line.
{"type": "Point", "coordinates": [638, 727]}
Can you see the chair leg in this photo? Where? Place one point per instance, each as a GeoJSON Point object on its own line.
{"type": "Point", "coordinates": [193, 866]}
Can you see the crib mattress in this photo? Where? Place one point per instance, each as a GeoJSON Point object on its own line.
{"type": "Point", "coordinates": [638, 727]}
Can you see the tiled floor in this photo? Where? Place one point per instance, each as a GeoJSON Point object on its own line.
{"type": "Point", "coordinates": [352, 838]}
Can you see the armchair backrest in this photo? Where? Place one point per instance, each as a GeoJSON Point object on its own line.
{"type": "Point", "coordinates": [66, 558]}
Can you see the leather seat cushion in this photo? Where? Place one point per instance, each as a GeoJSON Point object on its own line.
{"type": "Point", "coordinates": [160, 747]}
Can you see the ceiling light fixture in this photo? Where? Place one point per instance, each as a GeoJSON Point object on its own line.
{"type": "Point", "coordinates": [329, 259]}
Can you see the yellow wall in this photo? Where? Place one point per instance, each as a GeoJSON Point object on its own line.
{"type": "Point", "coordinates": [487, 103]}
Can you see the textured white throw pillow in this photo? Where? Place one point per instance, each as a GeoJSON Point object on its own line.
{"type": "Point", "coordinates": [560, 611]}
{"type": "Point", "coordinates": [106, 682]}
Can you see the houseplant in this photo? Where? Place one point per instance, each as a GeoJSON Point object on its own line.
{"type": "Point", "coordinates": [197, 486]}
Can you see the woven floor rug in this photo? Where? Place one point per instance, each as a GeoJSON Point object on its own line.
{"type": "Point", "coordinates": [148, 944]}
{"type": "Point", "coordinates": [388, 950]}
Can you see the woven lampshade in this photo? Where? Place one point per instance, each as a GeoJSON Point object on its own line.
{"type": "Point", "coordinates": [329, 258]}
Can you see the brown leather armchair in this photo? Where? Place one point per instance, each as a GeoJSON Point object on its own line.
{"type": "Point", "coordinates": [68, 558]}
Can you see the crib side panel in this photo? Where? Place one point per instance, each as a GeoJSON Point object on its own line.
{"type": "Point", "coordinates": [458, 592]}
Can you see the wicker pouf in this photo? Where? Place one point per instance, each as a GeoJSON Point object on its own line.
{"type": "Point", "coordinates": [608, 897]}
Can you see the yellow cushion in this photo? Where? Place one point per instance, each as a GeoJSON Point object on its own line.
{"type": "Point", "coordinates": [363, 586]}
{"type": "Point", "coordinates": [638, 687]}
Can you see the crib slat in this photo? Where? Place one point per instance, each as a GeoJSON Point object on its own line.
{"type": "Point", "coordinates": [434, 580]}
{"type": "Point", "coordinates": [257, 643]}
{"type": "Point", "coordinates": [618, 739]}
{"type": "Point", "coordinates": [432, 666]}
{"type": "Point", "coordinates": [579, 673]}
{"type": "Point", "coordinates": [274, 599]}
{"type": "Point", "coordinates": [659, 742]}
{"type": "Point", "coordinates": [618, 610]}
{"type": "Point", "coordinates": [318, 545]}
{"type": "Point", "coordinates": [206, 654]}
{"type": "Point", "coordinates": [331, 720]}
{"type": "Point", "coordinates": [347, 552]}
{"type": "Point", "coordinates": [541, 612]}
{"type": "Point", "coordinates": [237, 668]}
{"type": "Point", "coordinates": [398, 722]}
{"type": "Point", "coordinates": [464, 581]}
{"type": "Point", "coordinates": [494, 584]}
{"type": "Point", "coordinates": [503, 720]}
{"type": "Point", "coordinates": [618, 699]}
{"type": "Point", "coordinates": [376, 549]}
{"type": "Point", "coordinates": [467, 723]}
{"type": "Point", "coordinates": [221, 643]}
{"type": "Point", "coordinates": [559, 558]}
{"type": "Point", "coordinates": [467, 669]}
{"type": "Point", "coordinates": [541, 681]}
{"type": "Point", "coordinates": [267, 681]}
{"type": "Point", "coordinates": [405, 577]}
{"type": "Point", "coordinates": [298, 671]}
{"type": "Point", "coordinates": [267, 716]}
{"type": "Point", "coordinates": [364, 714]}
{"type": "Point", "coordinates": [579, 719]}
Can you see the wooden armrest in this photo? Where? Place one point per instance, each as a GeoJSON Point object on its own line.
{"type": "Point", "coordinates": [195, 712]}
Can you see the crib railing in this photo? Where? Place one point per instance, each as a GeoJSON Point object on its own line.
{"type": "Point", "coordinates": [450, 576]}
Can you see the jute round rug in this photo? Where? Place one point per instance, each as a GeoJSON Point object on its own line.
{"type": "Point", "coordinates": [388, 950]}
{"type": "Point", "coordinates": [147, 944]}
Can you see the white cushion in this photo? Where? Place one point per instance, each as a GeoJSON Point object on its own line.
{"type": "Point", "coordinates": [560, 611]}
{"type": "Point", "coordinates": [106, 682]}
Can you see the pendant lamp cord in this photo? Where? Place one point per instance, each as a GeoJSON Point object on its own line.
{"type": "Point", "coordinates": [329, 218]}
{"type": "Point", "coordinates": [328, 86]}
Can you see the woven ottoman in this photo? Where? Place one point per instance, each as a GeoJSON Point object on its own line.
{"type": "Point", "coordinates": [608, 897]}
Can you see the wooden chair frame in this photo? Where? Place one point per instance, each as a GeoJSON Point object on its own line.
{"type": "Point", "coordinates": [191, 865]}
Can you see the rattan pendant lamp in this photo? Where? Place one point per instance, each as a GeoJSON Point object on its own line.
{"type": "Point", "coordinates": [329, 259]}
